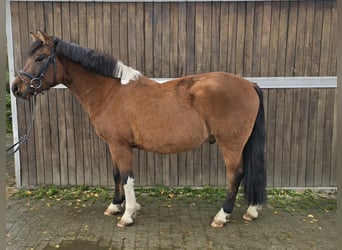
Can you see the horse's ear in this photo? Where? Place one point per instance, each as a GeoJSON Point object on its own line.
{"type": "Point", "coordinates": [33, 37]}
{"type": "Point", "coordinates": [41, 36]}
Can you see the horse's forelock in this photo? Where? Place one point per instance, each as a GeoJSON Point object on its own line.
{"type": "Point", "coordinates": [35, 46]}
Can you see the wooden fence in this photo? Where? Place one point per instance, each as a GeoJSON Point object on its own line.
{"type": "Point", "coordinates": [171, 39]}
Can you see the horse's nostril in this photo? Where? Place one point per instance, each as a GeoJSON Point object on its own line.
{"type": "Point", "coordinates": [15, 89]}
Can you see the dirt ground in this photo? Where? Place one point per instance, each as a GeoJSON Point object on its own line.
{"type": "Point", "coordinates": [160, 224]}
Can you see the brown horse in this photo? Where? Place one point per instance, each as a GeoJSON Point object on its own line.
{"type": "Point", "coordinates": [129, 110]}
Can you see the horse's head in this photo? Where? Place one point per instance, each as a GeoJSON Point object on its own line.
{"type": "Point", "coordinates": [40, 71]}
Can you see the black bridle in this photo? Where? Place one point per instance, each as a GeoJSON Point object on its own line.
{"type": "Point", "coordinates": [35, 84]}
{"type": "Point", "coordinates": [36, 81]}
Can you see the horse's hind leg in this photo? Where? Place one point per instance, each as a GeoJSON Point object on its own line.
{"type": "Point", "coordinates": [123, 157]}
{"type": "Point", "coordinates": [233, 162]}
{"type": "Point", "coordinates": [119, 195]}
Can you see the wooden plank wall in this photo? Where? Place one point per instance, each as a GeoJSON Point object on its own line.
{"type": "Point", "coordinates": [294, 38]}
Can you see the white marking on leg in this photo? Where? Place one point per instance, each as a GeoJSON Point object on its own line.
{"type": "Point", "coordinates": [125, 73]}
{"type": "Point", "coordinates": [220, 219]}
{"type": "Point", "coordinates": [113, 209]}
{"type": "Point", "coordinates": [131, 204]}
{"type": "Point", "coordinates": [252, 213]}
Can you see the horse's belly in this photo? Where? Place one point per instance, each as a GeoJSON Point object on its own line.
{"type": "Point", "coordinates": [170, 133]}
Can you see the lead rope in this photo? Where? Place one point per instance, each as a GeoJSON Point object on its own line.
{"type": "Point", "coordinates": [25, 138]}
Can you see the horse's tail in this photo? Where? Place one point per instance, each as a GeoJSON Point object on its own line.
{"type": "Point", "coordinates": [254, 171]}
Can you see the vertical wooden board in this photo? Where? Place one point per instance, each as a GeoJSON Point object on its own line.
{"type": "Point", "coordinates": [74, 23]}
{"type": "Point", "coordinates": [325, 40]}
{"type": "Point", "coordinates": [317, 37]}
{"type": "Point", "coordinates": [136, 167]}
{"type": "Point", "coordinates": [110, 167]}
{"type": "Point", "coordinates": [182, 41]}
{"type": "Point", "coordinates": [279, 139]}
{"type": "Point", "coordinates": [286, 147]}
{"type": "Point", "coordinates": [35, 151]}
{"type": "Point", "coordinates": [189, 168]}
{"type": "Point", "coordinates": [39, 143]}
{"type": "Point", "coordinates": [143, 167]}
{"type": "Point", "coordinates": [199, 38]}
{"type": "Point", "coordinates": [213, 160]}
{"type": "Point", "coordinates": [107, 29]}
{"type": "Point", "coordinates": [320, 138]}
{"type": "Point", "coordinates": [82, 24]}
{"type": "Point", "coordinates": [149, 39]}
{"type": "Point", "coordinates": [215, 37]}
{"type": "Point", "coordinates": [182, 167]}
{"type": "Point", "coordinates": [223, 35]}
{"type": "Point", "coordinates": [197, 168]}
{"type": "Point", "coordinates": [95, 159]}
{"type": "Point", "coordinates": [153, 161]}
{"type": "Point", "coordinates": [174, 39]}
{"type": "Point", "coordinates": [57, 19]}
{"type": "Point", "coordinates": [333, 40]}
{"type": "Point", "coordinates": [206, 55]}
{"type": "Point", "coordinates": [312, 128]}
{"type": "Point", "coordinates": [309, 31]}
{"type": "Point", "coordinates": [78, 120]}
{"type": "Point", "coordinates": [166, 170]}
{"type": "Point", "coordinates": [65, 21]}
{"type": "Point", "coordinates": [295, 135]}
{"type": "Point", "coordinates": [249, 26]}
{"type": "Point", "coordinates": [291, 39]}
{"type": "Point", "coordinates": [174, 170]}
{"type": "Point", "coordinates": [115, 30]}
{"type": "Point", "coordinates": [190, 38]}
{"type": "Point", "coordinates": [241, 21]}
{"type": "Point", "coordinates": [257, 38]}
{"type": "Point", "coordinates": [205, 164]}
{"type": "Point", "coordinates": [232, 37]}
{"type": "Point", "coordinates": [131, 34]}
{"type": "Point", "coordinates": [157, 40]}
{"type": "Point", "coordinates": [272, 67]}
{"type": "Point", "coordinates": [270, 138]}
{"type": "Point", "coordinates": [265, 39]}
{"type": "Point", "coordinates": [62, 136]}
{"type": "Point", "coordinates": [158, 173]}
{"type": "Point", "coordinates": [166, 36]}
{"type": "Point", "coordinates": [303, 138]}
{"type": "Point", "coordinates": [300, 40]}
{"type": "Point", "coordinates": [123, 31]}
{"type": "Point", "coordinates": [283, 27]}
{"type": "Point", "coordinates": [221, 171]}
{"type": "Point", "coordinates": [328, 138]}
{"type": "Point", "coordinates": [140, 44]}
{"type": "Point", "coordinates": [53, 115]}
{"type": "Point", "coordinates": [70, 138]}
{"type": "Point", "coordinates": [333, 171]}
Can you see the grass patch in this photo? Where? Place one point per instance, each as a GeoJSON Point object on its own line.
{"type": "Point", "coordinates": [277, 199]}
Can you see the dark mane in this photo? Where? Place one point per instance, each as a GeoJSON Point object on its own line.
{"type": "Point", "coordinates": [88, 58]}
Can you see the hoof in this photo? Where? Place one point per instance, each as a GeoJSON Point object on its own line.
{"type": "Point", "coordinates": [113, 209]}
{"type": "Point", "coordinates": [125, 223]}
{"type": "Point", "coordinates": [217, 224]}
{"type": "Point", "coordinates": [248, 217]}
{"type": "Point", "coordinates": [110, 213]}
{"type": "Point", "coordinates": [252, 213]}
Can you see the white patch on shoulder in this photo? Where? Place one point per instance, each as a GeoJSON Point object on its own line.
{"type": "Point", "coordinates": [125, 73]}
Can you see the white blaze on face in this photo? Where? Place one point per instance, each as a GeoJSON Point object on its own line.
{"type": "Point", "coordinates": [125, 73]}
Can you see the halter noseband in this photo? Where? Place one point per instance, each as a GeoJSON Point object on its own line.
{"type": "Point", "coordinates": [36, 81]}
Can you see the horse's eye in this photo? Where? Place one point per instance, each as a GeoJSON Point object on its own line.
{"type": "Point", "coordinates": [40, 58]}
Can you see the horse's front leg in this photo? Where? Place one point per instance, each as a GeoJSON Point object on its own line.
{"type": "Point", "coordinates": [119, 194]}
{"type": "Point", "coordinates": [123, 157]}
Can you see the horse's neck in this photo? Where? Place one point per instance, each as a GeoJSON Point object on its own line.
{"type": "Point", "coordinates": [89, 88]}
